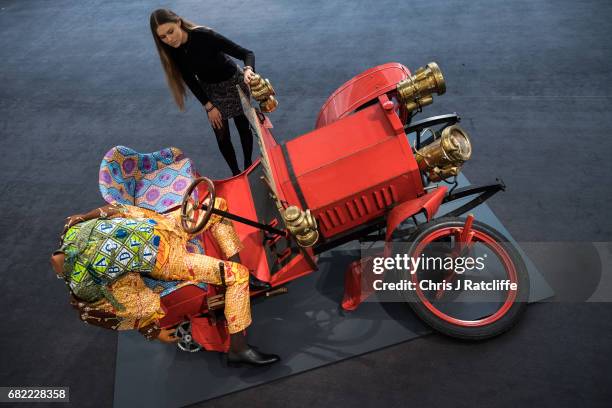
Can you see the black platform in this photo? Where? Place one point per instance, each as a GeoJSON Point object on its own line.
{"type": "Point", "coordinates": [306, 327]}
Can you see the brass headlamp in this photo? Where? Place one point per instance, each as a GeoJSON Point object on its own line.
{"type": "Point", "coordinates": [262, 91]}
{"type": "Point", "coordinates": [443, 157]}
{"type": "Point", "coordinates": [415, 91]}
{"type": "Point", "coordinates": [302, 225]}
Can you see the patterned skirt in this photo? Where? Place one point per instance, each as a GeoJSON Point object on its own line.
{"type": "Point", "coordinates": [224, 95]}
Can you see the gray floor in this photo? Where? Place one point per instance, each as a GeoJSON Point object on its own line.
{"type": "Point", "coordinates": [532, 81]}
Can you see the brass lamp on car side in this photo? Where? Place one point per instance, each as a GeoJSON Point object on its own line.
{"type": "Point", "coordinates": [415, 91]}
{"type": "Point", "coordinates": [262, 91]}
{"type": "Point", "coordinates": [302, 225]}
{"type": "Point", "coordinates": [444, 157]}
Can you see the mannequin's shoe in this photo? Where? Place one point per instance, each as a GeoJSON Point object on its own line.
{"type": "Point", "coordinates": [252, 357]}
{"type": "Point", "coordinates": [256, 284]}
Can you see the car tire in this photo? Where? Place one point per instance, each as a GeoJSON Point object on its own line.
{"type": "Point", "coordinates": [509, 259]}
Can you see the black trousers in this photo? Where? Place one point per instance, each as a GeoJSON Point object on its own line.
{"type": "Point", "coordinates": [225, 142]}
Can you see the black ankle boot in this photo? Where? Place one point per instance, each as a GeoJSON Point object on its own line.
{"type": "Point", "coordinates": [256, 284]}
{"type": "Point", "coordinates": [252, 357]}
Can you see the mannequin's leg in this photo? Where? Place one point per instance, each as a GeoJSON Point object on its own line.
{"type": "Point", "coordinates": [186, 266]}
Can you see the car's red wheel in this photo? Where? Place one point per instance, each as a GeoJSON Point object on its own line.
{"type": "Point", "coordinates": [475, 302]}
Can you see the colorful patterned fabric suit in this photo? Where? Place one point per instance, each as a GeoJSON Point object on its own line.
{"type": "Point", "coordinates": [175, 263]}
{"type": "Point", "coordinates": [155, 181]}
{"type": "Point", "coordinates": [106, 260]}
{"type": "Point", "coordinates": [99, 251]}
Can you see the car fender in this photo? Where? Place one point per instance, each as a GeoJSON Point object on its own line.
{"type": "Point", "coordinates": [359, 90]}
{"type": "Point", "coordinates": [429, 203]}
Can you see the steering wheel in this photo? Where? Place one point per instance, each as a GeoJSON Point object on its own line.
{"type": "Point", "coordinates": [191, 206]}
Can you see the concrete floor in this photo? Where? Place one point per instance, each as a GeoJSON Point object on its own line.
{"type": "Point", "coordinates": [532, 81]}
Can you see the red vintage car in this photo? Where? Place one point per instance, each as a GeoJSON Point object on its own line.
{"type": "Point", "coordinates": [367, 171]}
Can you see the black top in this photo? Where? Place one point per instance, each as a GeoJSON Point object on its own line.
{"type": "Point", "coordinates": [204, 57]}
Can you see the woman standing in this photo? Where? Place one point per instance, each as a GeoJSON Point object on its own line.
{"type": "Point", "coordinates": [198, 57]}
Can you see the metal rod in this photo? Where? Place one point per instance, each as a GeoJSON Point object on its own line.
{"type": "Point", "coordinates": [449, 119]}
{"type": "Point", "coordinates": [246, 221]}
{"type": "Point", "coordinates": [482, 194]}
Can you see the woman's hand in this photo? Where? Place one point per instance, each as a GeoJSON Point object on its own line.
{"type": "Point", "coordinates": [215, 118]}
{"type": "Point", "coordinates": [248, 75]}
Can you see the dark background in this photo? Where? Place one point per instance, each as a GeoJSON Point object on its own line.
{"type": "Point", "coordinates": [532, 80]}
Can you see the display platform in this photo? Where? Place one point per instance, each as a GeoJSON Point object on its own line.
{"type": "Point", "coordinates": [306, 327]}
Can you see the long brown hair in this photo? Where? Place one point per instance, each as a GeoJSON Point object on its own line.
{"type": "Point", "coordinates": [173, 74]}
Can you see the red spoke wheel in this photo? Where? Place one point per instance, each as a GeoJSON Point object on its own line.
{"type": "Point", "coordinates": [193, 217]}
{"type": "Point", "coordinates": [471, 300]}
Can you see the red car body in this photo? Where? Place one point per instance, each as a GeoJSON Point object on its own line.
{"type": "Point", "coordinates": [355, 170]}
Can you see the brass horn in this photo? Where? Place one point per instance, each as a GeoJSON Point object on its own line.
{"type": "Point", "coordinates": [444, 157]}
{"type": "Point", "coordinates": [302, 225]}
{"type": "Point", "coordinates": [262, 91]}
{"type": "Point", "coordinates": [415, 91]}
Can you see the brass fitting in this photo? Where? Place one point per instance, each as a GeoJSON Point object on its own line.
{"type": "Point", "coordinates": [415, 91]}
{"type": "Point", "coordinates": [302, 225]}
{"type": "Point", "coordinates": [262, 91]}
{"type": "Point", "coordinates": [444, 157]}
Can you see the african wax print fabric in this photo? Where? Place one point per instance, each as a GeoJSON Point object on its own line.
{"type": "Point", "coordinates": [99, 251]}
{"type": "Point", "coordinates": [129, 297]}
{"type": "Point", "coordinates": [167, 287]}
{"type": "Point", "coordinates": [141, 306]}
{"type": "Point", "coordinates": [156, 181]}
{"type": "Point", "coordinates": [175, 263]}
